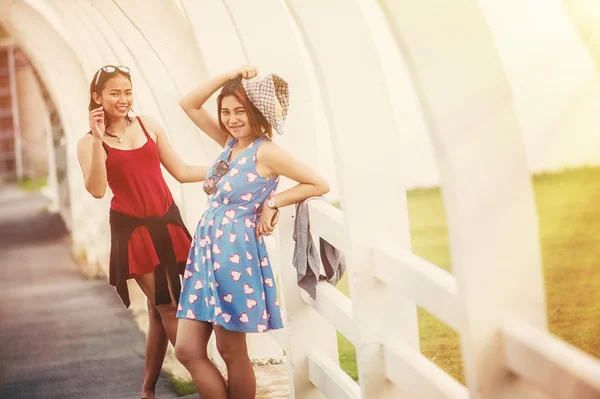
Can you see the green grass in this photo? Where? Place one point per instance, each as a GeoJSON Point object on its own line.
{"type": "Point", "coordinates": [182, 387]}
{"type": "Point", "coordinates": [32, 184]}
{"type": "Point", "coordinates": [568, 206]}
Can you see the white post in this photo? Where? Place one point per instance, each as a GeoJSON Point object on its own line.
{"type": "Point", "coordinates": [15, 112]}
{"type": "Point", "coordinates": [486, 186]}
{"type": "Point", "coordinates": [52, 176]}
{"type": "Point", "coordinates": [366, 145]}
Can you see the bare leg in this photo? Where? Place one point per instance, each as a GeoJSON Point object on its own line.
{"type": "Point", "coordinates": [167, 312]}
{"type": "Point", "coordinates": [240, 374]}
{"type": "Point", "coordinates": [156, 347]}
{"type": "Point", "coordinates": [192, 340]}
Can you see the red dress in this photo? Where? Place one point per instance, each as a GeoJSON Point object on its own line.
{"type": "Point", "coordinates": [140, 190]}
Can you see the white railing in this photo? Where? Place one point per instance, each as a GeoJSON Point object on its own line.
{"type": "Point", "coordinates": [548, 363]}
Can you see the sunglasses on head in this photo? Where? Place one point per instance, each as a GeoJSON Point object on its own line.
{"type": "Point", "coordinates": [111, 69]}
{"type": "Point", "coordinates": [220, 169]}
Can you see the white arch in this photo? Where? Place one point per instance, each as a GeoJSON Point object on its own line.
{"type": "Point", "coordinates": [466, 99]}
{"type": "Point", "coordinates": [361, 120]}
{"type": "Point", "coordinates": [42, 43]}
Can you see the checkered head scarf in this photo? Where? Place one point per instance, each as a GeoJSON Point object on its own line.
{"type": "Point", "coordinates": [270, 95]}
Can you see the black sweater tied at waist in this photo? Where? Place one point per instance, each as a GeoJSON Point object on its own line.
{"type": "Point", "coordinates": [121, 228]}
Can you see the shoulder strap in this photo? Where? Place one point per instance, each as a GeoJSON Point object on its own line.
{"type": "Point", "coordinates": [258, 142]}
{"type": "Point", "coordinates": [229, 144]}
{"type": "Point", "coordinates": [143, 127]}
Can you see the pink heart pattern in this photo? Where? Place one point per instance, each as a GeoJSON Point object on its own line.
{"type": "Point", "coordinates": [234, 285]}
{"type": "Point", "coordinates": [247, 289]}
{"type": "Point", "coordinates": [246, 197]}
{"type": "Point", "coordinates": [251, 177]}
{"type": "Point", "coordinates": [250, 303]}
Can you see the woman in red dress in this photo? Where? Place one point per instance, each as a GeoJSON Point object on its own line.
{"type": "Point", "coordinates": [149, 241]}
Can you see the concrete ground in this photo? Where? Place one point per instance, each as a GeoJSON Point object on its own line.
{"type": "Point", "coordinates": [63, 336]}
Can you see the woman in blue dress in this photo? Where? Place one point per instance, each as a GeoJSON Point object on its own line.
{"type": "Point", "coordinates": [229, 286]}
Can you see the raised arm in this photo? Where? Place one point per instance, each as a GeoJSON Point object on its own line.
{"type": "Point", "coordinates": [193, 103]}
{"type": "Point", "coordinates": [92, 157]}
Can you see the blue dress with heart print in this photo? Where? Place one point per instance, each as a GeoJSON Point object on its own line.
{"type": "Point", "coordinates": [228, 279]}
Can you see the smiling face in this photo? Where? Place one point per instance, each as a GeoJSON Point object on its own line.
{"type": "Point", "coordinates": [116, 97]}
{"type": "Point", "coordinates": [237, 115]}
{"type": "Point", "coordinates": [235, 118]}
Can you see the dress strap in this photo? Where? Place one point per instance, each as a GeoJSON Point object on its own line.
{"type": "Point", "coordinates": [257, 144]}
{"type": "Point", "coordinates": [144, 128]}
{"type": "Point", "coordinates": [230, 143]}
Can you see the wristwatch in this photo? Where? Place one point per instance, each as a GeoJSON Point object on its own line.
{"type": "Point", "coordinates": [272, 204]}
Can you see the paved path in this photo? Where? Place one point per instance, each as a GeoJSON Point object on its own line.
{"type": "Point", "coordinates": [61, 336]}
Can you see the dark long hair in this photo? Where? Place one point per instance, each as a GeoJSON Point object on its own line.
{"type": "Point", "coordinates": [258, 122]}
{"type": "Point", "coordinates": [98, 88]}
